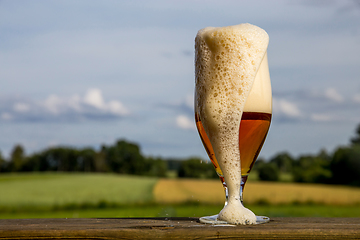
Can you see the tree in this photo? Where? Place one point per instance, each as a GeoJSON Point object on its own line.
{"type": "Point", "coordinates": [156, 167]}
{"type": "Point", "coordinates": [125, 157]}
{"type": "Point", "coordinates": [356, 139]}
{"type": "Point", "coordinates": [100, 162]}
{"type": "Point", "coordinates": [86, 160]}
{"type": "Point", "coordinates": [312, 169]}
{"type": "Point", "coordinates": [17, 158]}
{"type": "Point", "coordinates": [2, 163]}
{"type": "Point", "coordinates": [258, 164]}
{"type": "Point", "coordinates": [196, 168]}
{"type": "Point", "coordinates": [284, 162]}
{"type": "Point", "coordinates": [62, 159]}
{"type": "Point", "coordinates": [345, 166]}
{"type": "Point", "coordinates": [268, 172]}
{"type": "Point", "coordinates": [36, 162]}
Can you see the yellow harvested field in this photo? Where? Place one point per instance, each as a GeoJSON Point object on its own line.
{"type": "Point", "coordinates": [185, 190]}
{"type": "Point", "coordinates": [211, 192]}
{"type": "Point", "coordinates": [300, 192]}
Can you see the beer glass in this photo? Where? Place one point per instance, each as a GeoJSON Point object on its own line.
{"type": "Point", "coordinates": [254, 126]}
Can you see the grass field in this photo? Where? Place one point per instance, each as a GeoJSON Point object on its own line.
{"type": "Point", "coordinates": [190, 210]}
{"type": "Point", "coordinates": [66, 195]}
{"type": "Point", "coordinates": [48, 190]}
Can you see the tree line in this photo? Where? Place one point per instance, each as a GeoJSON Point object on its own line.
{"type": "Point", "coordinates": [123, 157]}
{"type": "Point", "coordinates": [341, 167]}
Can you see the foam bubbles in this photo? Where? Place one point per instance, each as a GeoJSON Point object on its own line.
{"type": "Point", "coordinates": [236, 213]}
{"type": "Point", "coordinates": [227, 60]}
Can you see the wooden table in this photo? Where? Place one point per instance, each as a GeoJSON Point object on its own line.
{"type": "Point", "coordinates": [178, 228]}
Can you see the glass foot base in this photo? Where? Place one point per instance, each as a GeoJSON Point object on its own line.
{"type": "Point", "coordinates": [214, 220]}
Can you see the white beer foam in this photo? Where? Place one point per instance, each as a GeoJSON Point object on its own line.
{"type": "Point", "coordinates": [227, 60]}
{"type": "Point", "coordinates": [236, 213]}
{"type": "Point", "coordinates": [260, 96]}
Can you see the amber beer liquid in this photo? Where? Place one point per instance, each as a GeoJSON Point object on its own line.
{"type": "Point", "coordinates": [253, 130]}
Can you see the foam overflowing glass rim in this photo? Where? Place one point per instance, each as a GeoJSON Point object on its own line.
{"type": "Point", "coordinates": [227, 62]}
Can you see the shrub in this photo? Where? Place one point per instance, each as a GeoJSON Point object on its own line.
{"type": "Point", "coordinates": [268, 172]}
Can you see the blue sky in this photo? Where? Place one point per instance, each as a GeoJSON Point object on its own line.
{"type": "Point", "coordinates": [85, 73]}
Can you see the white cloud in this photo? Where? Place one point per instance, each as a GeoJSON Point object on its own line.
{"type": "Point", "coordinates": [94, 98]}
{"type": "Point", "coordinates": [53, 104]}
{"type": "Point", "coordinates": [321, 118]}
{"type": "Point", "coordinates": [21, 107]}
{"type": "Point", "coordinates": [6, 116]}
{"type": "Point", "coordinates": [184, 122]}
{"type": "Point", "coordinates": [117, 107]}
{"type": "Point", "coordinates": [286, 109]}
{"type": "Point", "coordinates": [333, 95]}
{"type": "Point", "coordinates": [356, 98]}
{"type": "Point", "coordinates": [55, 108]}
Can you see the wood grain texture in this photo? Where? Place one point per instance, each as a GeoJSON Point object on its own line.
{"type": "Point", "coordinates": [178, 228]}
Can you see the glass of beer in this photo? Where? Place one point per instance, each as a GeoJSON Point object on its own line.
{"type": "Point", "coordinates": [233, 106]}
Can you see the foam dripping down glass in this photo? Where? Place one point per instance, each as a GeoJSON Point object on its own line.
{"type": "Point", "coordinates": [233, 106]}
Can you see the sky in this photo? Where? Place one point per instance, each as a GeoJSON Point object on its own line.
{"type": "Point", "coordinates": [86, 73]}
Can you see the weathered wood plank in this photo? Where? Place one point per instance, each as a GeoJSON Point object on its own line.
{"type": "Point", "coordinates": [178, 228]}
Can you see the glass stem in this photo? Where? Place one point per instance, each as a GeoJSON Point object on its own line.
{"type": "Point", "coordinates": [242, 186]}
{"type": "Point", "coordinates": [226, 193]}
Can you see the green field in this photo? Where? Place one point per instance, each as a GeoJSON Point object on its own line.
{"type": "Point", "coordinates": [66, 190]}
{"type": "Point", "coordinates": [189, 210]}
{"type": "Point", "coordinates": [77, 195]}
